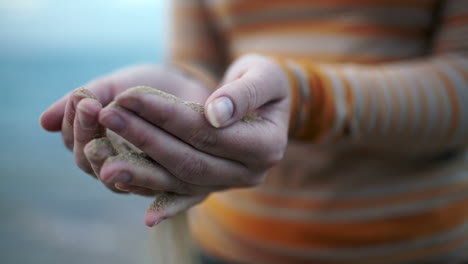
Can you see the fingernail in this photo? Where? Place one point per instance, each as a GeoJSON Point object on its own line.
{"type": "Point", "coordinates": [122, 187]}
{"type": "Point", "coordinates": [96, 153]}
{"type": "Point", "coordinates": [113, 122]}
{"type": "Point", "coordinates": [122, 177]}
{"type": "Point", "coordinates": [220, 111]}
{"type": "Point", "coordinates": [85, 118]}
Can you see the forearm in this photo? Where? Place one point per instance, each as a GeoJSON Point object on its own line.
{"type": "Point", "coordinates": [420, 105]}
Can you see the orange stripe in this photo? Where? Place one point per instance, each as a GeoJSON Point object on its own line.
{"type": "Point", "coordinates": [272, 254]}
{"type": "Point", "coordinates": [322, 116]}
{"type": "Point", "coordinates": [294, 94]}
{"type": "Point", "coordinates": [312, 126]}
{"type": "Point", "coordinates": [327, 234]}
{"type": "Point", "coordinates": [329, 28]}
{"type": "Point", "coordinates": [307, 105]}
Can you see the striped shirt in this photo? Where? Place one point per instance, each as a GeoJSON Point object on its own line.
{"type": "Point", "coordinates": [376, 170]}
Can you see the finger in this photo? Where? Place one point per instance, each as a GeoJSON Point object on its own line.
{"type": "Point", "coordinates": [137, 170]}
{"type": "Point", "coordinates": [179, 158]}
{"type": "Point", "coordinates": [96, 152]}
{"type": "Point", "coordinates": [167, 205]}
{"type": "Point", "coordinates": [135, 189]}
{"type": "Point", "coordinates": [70, 113]}
{"type": "Point", "coordinates": [248, 87]}
{"type": "Point", "coordinates": [51, 119]}
{"type": "Point", "coordinates": [86, 128]}
{"type": "Point", "coordinates": [240, 141]}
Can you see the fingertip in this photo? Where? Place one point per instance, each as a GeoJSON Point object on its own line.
{"type": "Point", "coordinates": [152, 218]}
{"type": "Point", "coordinates": [219, 111]}
{"type": "Point", "coordinates": [51, 120]}
{"type": "Point", "coordinates": [90, 106]}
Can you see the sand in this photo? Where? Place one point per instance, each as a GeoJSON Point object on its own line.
{"type": "Point", "coordinates": [193, 105]}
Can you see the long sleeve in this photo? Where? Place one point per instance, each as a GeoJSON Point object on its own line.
{"type": "Point", "coordinates": [419, 105]}
{"type": "Point", "coordinates": [194, 43]}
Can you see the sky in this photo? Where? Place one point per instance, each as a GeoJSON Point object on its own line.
{"type": "Point", "coordinates": [28, 26]}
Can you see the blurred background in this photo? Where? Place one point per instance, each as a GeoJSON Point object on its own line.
{"type": "Point", "coordinates": [51, 212]}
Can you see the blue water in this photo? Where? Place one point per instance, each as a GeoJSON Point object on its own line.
{"type": "Point", "coordinates": [51, 212]}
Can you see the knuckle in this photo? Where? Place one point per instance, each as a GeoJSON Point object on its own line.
{"type": "Point", "coordinates": [164, 116]}
{"type": "Point", "coordinates": [191, 169]}
{"type": "Point", "coordinates": [142, 142]}
{"type": "Point", "coordinates": [203, 139]}
{"type": "Point", "coordinates": [251, 96]}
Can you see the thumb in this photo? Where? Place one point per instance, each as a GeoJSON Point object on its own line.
{"type": "Point", "coordinates": [242, 96]}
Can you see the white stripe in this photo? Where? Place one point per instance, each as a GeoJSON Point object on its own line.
{"type": "Point", "coordinates": [308, 43]}
{"type": "Point", "coordinates": [341, 106]}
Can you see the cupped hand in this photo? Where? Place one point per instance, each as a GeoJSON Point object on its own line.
{"type": "Point", "coordinates": [195, 153]}
{"type": "Point", "coordinates": [76, 114]}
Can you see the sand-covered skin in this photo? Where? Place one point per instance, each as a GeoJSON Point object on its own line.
{"type": "Point", "coordinates": [193, 105]}
{"type": "Point", "coordinates": [126, 151]}
{"type": "Point", "coordinates": [100, 144]}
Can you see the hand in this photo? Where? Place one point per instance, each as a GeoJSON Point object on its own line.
{"type": "Point", "coordinates": [198, 154]}
{"type": "Point", "coordinates": [76, 115]}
